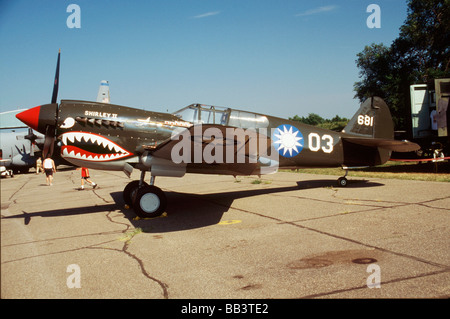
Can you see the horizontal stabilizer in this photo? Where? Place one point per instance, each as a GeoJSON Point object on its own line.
{"type": "Point", "coordinates": [388, 144]}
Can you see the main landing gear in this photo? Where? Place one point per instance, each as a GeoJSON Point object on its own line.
{"type": "Point", "coordinates": [147, 200]}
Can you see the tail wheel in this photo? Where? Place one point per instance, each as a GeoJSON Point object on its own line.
{"type": "Point", "coordinates": [342, 181]}
{"type": "Point", "coordinates": [149, 201]}
{"type": "Point", "coordinates": [130, 191]}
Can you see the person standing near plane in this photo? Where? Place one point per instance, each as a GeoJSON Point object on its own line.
{"type": "Point", "coordinates": [38, 165]}
{"type": "Point", "coordinates": [49, 168]}
{"type": "Point", "coordinates": [85, 177]}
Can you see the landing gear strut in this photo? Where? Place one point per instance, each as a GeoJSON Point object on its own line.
{"type": "Point", "coordinates": [147, 200]}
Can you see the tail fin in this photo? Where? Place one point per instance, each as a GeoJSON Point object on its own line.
{"type": "Point", "coordinates": [103, 92]}
{"type": "Point", "coordinates": [369, 138]}
{"type": "Point", "coordinates": [373, 120]}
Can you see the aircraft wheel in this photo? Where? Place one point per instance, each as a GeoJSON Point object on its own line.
{"type": "Point", "coordinates": [129, 192]}
{"type": "Point", "coordinates": [150, 201]}
{"type": "Point", "coordinates": [342, 181]}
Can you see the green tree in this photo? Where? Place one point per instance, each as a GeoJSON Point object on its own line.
{"type": "Point", "coordinates": [311, 119]}
{"type": "Point", "coordinates": [374, 63]}
{"type": "Point", "coordinates": [337, 123]}
{"type": "Point", "coordinates": [424, 40]}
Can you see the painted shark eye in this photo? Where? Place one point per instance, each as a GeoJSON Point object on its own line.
{"type": "Point", "coordinates": [68, 123]}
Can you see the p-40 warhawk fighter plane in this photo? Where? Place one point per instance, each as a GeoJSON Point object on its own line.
{"type": "Point", "coordinates": [207, 140]}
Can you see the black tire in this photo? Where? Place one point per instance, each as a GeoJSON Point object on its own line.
{"type": "Point", "coordinates": [149, 202]}
{"type": "Point", "coordinates": [342, 182]}
{"type": "Point", "coordinates": [129, 192]}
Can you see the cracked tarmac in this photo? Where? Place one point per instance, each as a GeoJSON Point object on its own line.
{"type": "Point", "coordinates": [289, 235]}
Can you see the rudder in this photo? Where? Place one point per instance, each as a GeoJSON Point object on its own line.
{"type": "Point", "coordinates": [373, 119]}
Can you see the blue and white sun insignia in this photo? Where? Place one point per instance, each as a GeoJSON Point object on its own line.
{"type": "Point", "coordinates": [288, 140]}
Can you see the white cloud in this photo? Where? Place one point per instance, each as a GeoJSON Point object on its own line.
{"type": "Point", "coordinates": [207, 14]}
{"type": "Point", "coordinates": [317, 10]}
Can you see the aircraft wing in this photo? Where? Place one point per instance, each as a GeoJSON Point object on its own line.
{"type": "Point", "coordinates": [388, 144]}
{"type": "Point", "coordinates": [228, 148]}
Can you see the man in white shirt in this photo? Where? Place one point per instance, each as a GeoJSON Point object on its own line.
{"type": "Point", "coordinates": [49, 168]}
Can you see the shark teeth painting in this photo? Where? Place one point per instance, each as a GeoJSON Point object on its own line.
{"type": "Point", "coordinates": [90, 147]}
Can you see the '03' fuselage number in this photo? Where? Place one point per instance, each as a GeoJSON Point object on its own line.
{"type": "Point", "coordinates": [317, 142]}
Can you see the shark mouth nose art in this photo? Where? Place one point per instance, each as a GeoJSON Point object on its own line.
{"type": "Point", "coordinates": [90, 147]}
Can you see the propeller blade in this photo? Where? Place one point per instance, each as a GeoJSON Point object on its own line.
{"type": "Point", "coordinates": [56, 83]}
{"type": "Point", "coordinates": [49, 142]}
{"type": "Point", "coordinates": [31, 136]}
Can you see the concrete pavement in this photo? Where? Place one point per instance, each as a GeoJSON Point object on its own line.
{"type": "Point", "coordinates": [286, 235]}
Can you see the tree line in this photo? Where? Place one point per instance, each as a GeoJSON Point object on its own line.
{"type": "Point", "coordinates": [420, 54]}
{"type": "Point", "coordinates": [337, 123]}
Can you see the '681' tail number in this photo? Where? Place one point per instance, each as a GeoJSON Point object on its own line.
{"type": "Point", "coordinates": [365, 120]}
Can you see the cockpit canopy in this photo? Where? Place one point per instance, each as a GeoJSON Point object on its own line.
{"type": "Point", "coordinates": [208, 114]}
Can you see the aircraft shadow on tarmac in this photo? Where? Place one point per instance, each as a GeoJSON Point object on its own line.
{"type": "Point", "coordinates": [27, 216]}
{"type": "Point", "coordinates": [189, 210]}
{"type": "Point", "coordinates": [186, 210]}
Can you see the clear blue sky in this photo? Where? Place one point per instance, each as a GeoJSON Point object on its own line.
{"type": "Point", "coordinates": [276, 57]}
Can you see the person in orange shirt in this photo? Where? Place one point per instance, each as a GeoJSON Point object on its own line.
{"type": "Point", "coordinates": [85, 177]}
